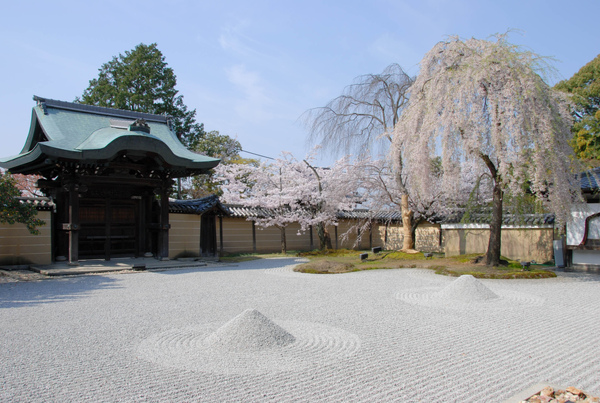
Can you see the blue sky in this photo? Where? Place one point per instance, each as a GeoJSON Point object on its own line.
{"type": "Point", "coordinates": [251, 68]}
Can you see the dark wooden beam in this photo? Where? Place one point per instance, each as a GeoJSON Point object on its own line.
{"type": "Point", "coordinates": [253, 237]}
{"type": "Point", "coordinates": [163, 234]}
{"type": "Point", "coordinates": [73, 224]}
{"type": "Point", "coordinates": [107, 222]}
{"type": "Point", "coordinates": [220, 235]}
{"type": "Point", "coordinates": [336, 237]}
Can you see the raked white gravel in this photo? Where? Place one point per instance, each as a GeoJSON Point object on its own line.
{"type": "Point", "coordinates": [258, 331]}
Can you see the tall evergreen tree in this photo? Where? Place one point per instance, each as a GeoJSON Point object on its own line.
{"type": "Point", "coordinates": [141, 81]}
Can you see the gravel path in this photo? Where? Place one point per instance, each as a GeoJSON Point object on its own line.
{"type": "Point", "coordinates": [383, 335]}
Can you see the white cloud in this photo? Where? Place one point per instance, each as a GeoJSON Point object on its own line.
{"type": "Point", "coordinates": [233, 38]}
{"type": "Point", "coordinates": [254, 104]}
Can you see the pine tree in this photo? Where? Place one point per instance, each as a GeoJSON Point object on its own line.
{"type": "Point", "coordinates": [141, 81]}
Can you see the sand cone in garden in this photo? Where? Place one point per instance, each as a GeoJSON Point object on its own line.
{"type": "Point", "coordinates": [249, 331]}
{"type": "Point", "coordinates": [466, 288]}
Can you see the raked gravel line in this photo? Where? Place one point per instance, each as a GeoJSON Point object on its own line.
{"type": "Point", "coordinates": [388, 335]}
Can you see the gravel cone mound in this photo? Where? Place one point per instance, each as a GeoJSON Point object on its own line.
{"type": "Point", "coordinates": [249, 331]}
{"type": "Point", "coordinates": [466, 288]}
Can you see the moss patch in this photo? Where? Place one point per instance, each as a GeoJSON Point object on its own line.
{"type": "Point", "coordinates": [329, 253]}
{"type": "Point", "coordinates": [346, 261]}
{"type": "Point", "coordinates": [496, 273]}
{"type": "Point", "coordinates": [327, 267]}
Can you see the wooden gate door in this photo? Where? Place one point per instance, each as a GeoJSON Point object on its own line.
{"type": "Point", "coordinates": [208, 235]}
{"type": "Point", "coordinates": [108, 228]}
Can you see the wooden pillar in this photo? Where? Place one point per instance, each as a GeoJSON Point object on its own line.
{"type": "Point", "coordinates": [220, 235]}
{"type": "Point", "coordinates": [253, 237]}
{"type": "Point", "coordinates": [73, 224]}
{"type": "Point", "coordinates": [386, 235]}
{"type": "Point", "coordinates": [163, 233]}
{"type": "Point", "coordinates": [108, 223]}
{"type": "Point", "coordinates": [148, 225]}
{"type": "Point", "coordinates": [202, 240]}
{"type": "Point", "coordinates": [141, 225]}
{"type": "Point", "coordinates": [336, 237]}
{"type": "Point", "coordinates": [61, 234]}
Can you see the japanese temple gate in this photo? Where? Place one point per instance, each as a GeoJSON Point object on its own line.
{"type": "Point", "coordinates": [110, 173]}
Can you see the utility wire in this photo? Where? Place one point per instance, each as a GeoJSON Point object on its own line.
{"type": "Point", "coordinates": [259, 155]}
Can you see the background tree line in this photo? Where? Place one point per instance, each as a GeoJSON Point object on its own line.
{"type": "Point", "coordinates": [140, 80]}
{"type": "Point", "coordinates": [389, 122]}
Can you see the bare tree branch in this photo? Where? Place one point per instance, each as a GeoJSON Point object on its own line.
{"type": "Point", "coordinates": [363, 117]}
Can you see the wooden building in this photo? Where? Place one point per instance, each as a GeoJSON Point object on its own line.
{"type": "Point", "coordinates": [109, 173]}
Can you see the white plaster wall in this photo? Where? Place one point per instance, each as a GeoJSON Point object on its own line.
{"type": "Point", "coordinates": [576, 226]}
{"type": "Point", "coordinates": [587, 257]}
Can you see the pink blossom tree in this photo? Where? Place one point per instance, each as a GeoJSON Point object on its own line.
{"type": "Point", "coordinates": [483, 105]}
{"type": "Point", "coordinates": [290, 190]}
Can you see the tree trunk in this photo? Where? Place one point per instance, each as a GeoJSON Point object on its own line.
{"type": "Point", "coordinates": [407, 224]}
{"type": "Point", "coordinates": [283, 240]}
{"type": "Point", "coordinates": [492, 257]}
{"type": "Point", "coordinates": [413, 231]}
{"type": "Point", "coordinates": [324, 238]}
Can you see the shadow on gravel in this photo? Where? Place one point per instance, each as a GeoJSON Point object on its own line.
{"type": "Point", "coordinates": [259, 264]}
{"type": "Point", "coordinates": [20, 294]}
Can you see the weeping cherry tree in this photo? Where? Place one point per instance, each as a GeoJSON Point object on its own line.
{"type": "Point", "coordinates": [483, 106]}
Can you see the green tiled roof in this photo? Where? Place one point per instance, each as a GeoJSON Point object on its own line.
{"type": "Point", "coordinates": [75, 132]}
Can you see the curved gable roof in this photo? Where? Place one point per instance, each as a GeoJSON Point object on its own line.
{"type": "Point", "coordinates": [589, 180]}
{"type": "Point", "coordinates": [75, 132]}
